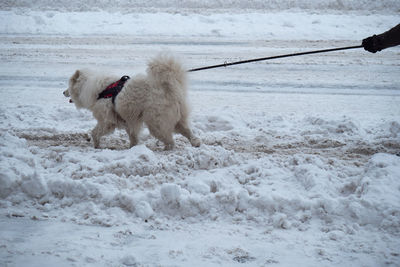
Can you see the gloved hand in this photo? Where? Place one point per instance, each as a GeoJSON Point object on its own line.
{"type": "Point", "coordinates": [372, 44]}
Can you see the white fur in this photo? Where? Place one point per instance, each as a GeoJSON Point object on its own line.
{"type": "Point", "coordinates": [157, 99]}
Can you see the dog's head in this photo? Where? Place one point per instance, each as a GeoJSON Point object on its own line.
{"type": "Point", "coordinates": [77, 83]}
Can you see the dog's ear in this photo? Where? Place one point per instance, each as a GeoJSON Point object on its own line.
{"type": "Point", "coordinates": [75, 77]}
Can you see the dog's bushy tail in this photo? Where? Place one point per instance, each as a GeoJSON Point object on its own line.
{"type": "Point", "coordinates": [166, 71]}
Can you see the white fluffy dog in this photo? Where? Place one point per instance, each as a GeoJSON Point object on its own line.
{"type": "Point", "coordinates": [157, 99]}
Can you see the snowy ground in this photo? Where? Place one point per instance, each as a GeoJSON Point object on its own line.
{"type": "Point", "coordinates": [297, 165]}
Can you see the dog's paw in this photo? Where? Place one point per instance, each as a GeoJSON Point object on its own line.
{"type": "Point", "coordinates": [169, 147]}
{"type": "Point", "coordinates": [87, 137]}
{"type": "Point", "coordinates": [96, 143]}
{"type": "Point", "coordinates": [195, 141]}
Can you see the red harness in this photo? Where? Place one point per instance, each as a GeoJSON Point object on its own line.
{"type": "Point", "coordinates": [113, 89]}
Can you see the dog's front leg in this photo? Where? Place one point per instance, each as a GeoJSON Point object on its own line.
{"type": "Point", "coordinates": [133, 140]}
{"type": "Point", "coordinates": [96, 136]}
{"type": "Point", "coordinates": [100, 130]}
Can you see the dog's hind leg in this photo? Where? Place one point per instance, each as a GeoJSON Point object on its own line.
{"type": "Point", "coordinates": [163, 135]}
{"type": "Point", "coordinates": [100, 130]}
{"type": "Point", "coordinates": [133, 130]}
{"type": "Point", "coordinates": [183, 128]}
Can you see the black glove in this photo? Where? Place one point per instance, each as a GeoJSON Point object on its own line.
{"type": "Point", "coordinates": [372, 44]}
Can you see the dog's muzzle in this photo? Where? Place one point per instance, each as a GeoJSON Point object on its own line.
{"type": "Point", "coordinates": [66, 94]}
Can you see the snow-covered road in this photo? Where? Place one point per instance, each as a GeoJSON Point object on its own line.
{"type": "Point", "coordinates": [297, 165]}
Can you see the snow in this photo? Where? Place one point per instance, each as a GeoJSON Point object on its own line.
{"type": "Point", "coordinates": [298, 160]}
{"type": "Point", "coordinates": [205, 6]}
{"type": "Point", "coordinates": [282, 25]}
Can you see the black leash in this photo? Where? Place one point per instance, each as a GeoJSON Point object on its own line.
{"type": "Point", "coordinates": [226, 64]}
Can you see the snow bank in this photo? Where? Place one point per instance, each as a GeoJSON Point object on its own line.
{"type": "Point", "coordinates": [204, 5]}
{"type": "Point", "coordinates": [109, 187]}
{"type": "Point", "coordinates": [266, 26]}
{"type": "Point", "coordinates": [19, 170]}
{"type": "Point", "coordinates": [378, 187]}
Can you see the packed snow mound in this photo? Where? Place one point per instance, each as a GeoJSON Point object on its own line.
{"type": "Point", "coordinates": [206, 5]}
{"type": "Point", "coordinates": [288, 187]}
